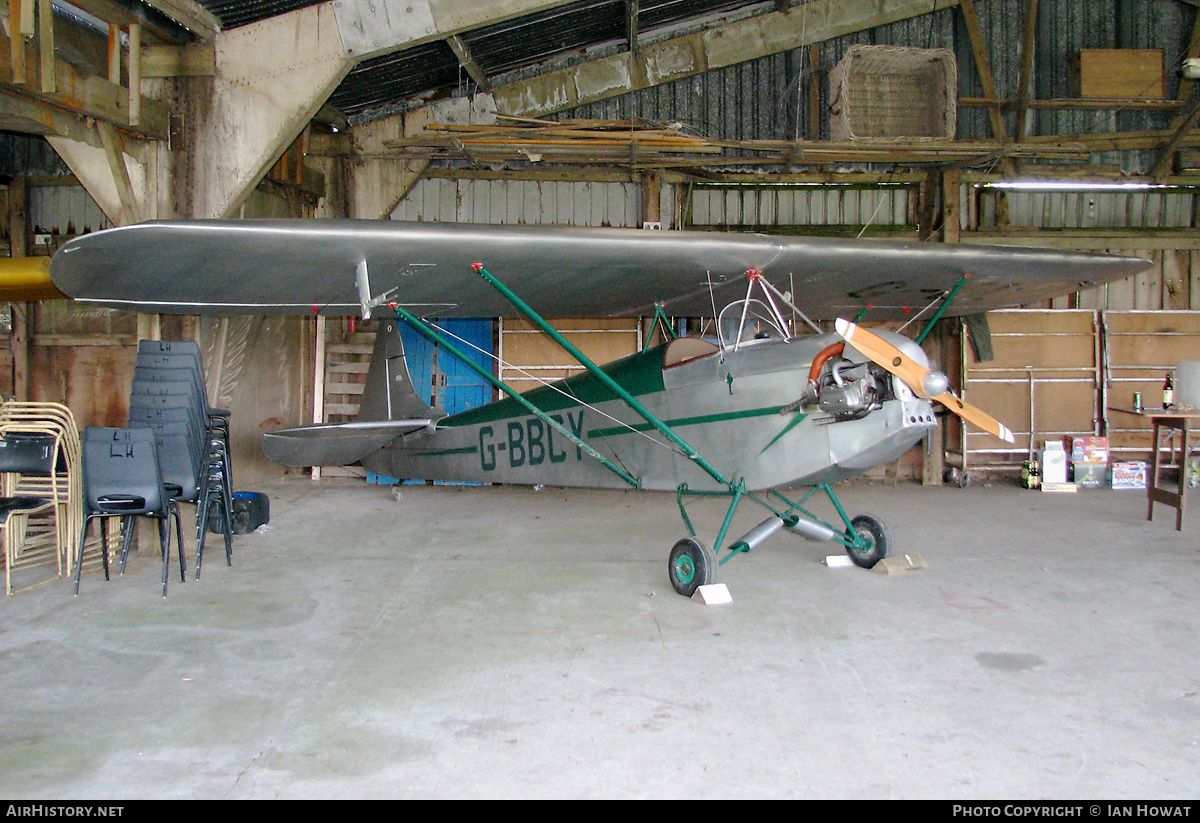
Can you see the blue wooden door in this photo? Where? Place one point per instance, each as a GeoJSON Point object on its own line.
{"type": "Point", "coordinates": [443, 380]}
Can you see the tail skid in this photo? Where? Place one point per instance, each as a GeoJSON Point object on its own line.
{"type": "Point", "coordinates": [390, 408]}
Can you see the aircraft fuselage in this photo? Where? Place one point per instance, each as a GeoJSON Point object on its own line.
{"type": "Point", "coordinates": [737, 408]}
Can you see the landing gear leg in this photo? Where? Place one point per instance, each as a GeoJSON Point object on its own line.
{"type": "Point", "coordinates": [867, 538]}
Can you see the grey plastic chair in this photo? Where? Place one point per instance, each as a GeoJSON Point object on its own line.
{"type": "Point", "coordinates": [123, 478]}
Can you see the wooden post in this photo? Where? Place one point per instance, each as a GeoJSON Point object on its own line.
{"type": "Point", "coordinates": [46, 46]}
{"type": "Point", "coordinates": [951, 205]}
{"type": "Point", "coordinates": [934, 463]}
{"type": "Point", "coordinates": [319, 382]}
{"type": "Point", "coordinates": [135, 73]}
{"type": "Point", "coordinates": [1025, 74]}
{"type": "Point", "coordinates": [114, 54]}
{"type": "Point", "coordinates": [17, 40]}
{"type": "Point", "coordinates": [651, 197]}
{"type": "Point", "coordinates": [18, 229]}
{"type": "Point", "coordinates": [814, 92]}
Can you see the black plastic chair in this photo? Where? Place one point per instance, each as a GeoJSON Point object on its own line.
{"type": "Point", "coordinates": [183, 354]}
{"type": "Point", "coordinates": [23, 454]}
{"type": "Point", "coordinates": [189, 475]}
{"type": "Point", "coordinates": [123, 478]}
{"type": "Point", "coordinates": [170, 386]}
{"type": "Point", "coordinates": [152, 406]}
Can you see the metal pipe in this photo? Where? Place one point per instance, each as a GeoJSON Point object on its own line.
{"type": "Point", "coordinates": [937, 315]}
{"type": "Point", "coordinates": [755, 537]}
{"type": "Point", "coordinates": [738, 491]}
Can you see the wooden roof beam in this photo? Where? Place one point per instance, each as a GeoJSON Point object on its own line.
{"type": "Point", "coordinates": [631, 25]}
{"type": "Point", "coordinates": [1025, 75]}
{"type": "Point", "coordinates": [90, 96]}
{"type": "Point", "coordinates": [468, 62]}
{"type": "Point", "coordinates": [168, 21]}
{"type": "Point", "coordinates": [692, 54]}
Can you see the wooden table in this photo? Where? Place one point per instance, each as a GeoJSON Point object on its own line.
{"type": "Point", "coordinates": [1187, 423]}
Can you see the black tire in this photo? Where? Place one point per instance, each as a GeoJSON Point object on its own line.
{"type": "Point", "coordinates": [691, 566]}
{"type": "Point", "coordinates": [876, 536]}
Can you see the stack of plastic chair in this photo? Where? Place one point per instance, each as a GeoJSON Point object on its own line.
{"type": "Point", "coordinates": [185, 354]}
{"type": "Point", "coordinates": [123, 478]}
{"type": "Point", "coordinates": [26, 455]}
{"type": "Point", "coordinates": [169, 396]}
{"type": "Point", "coordinates": [49, 538]}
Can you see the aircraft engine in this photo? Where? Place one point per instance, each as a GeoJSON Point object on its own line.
{"type": "Point", "coordinates": [849, 390]}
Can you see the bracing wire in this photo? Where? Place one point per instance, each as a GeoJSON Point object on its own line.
{"type": "Point", "coordinates": [545, 383]}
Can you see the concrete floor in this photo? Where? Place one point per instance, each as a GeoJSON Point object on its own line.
{"type": "Point", "coordinates": [511, 643]}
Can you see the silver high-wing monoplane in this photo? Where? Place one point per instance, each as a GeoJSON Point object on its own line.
{"type": "Point", "coordinates": [750, 415]}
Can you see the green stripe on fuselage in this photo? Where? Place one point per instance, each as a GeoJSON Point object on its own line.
{"type": "Point", "coordinates": [640, 374]}
{"type": "Point", "coordinates": [688, 421]}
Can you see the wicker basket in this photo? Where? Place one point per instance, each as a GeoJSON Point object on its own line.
{"type": "Point", "coordinates": [881, 92]}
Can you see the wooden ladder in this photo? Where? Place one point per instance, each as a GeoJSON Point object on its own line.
{"type": "Point", "coordinates": [345, 357]}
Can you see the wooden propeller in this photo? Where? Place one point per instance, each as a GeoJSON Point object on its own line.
{"type": "Point", "coordinates": [924, 381]}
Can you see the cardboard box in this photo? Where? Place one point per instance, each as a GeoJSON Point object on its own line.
{"type": "Point", "coordinates": [1128, 474]}
{"type": "Point", "coordinates": [1089, 475]}
{"type": "Point", "coordinates": [1054, 464]}
{"type": "Point", "coordinates": [1059, 487]}
{"type": "Point", "coordinates": [1089, 449]}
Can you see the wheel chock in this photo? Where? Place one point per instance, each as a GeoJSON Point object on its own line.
{"type": "Point", "coordinates": [714, 594]}
{"type": "Point", "coordinates": [899, 564]}
{"type": "Point", "coordinates": [837, 561]}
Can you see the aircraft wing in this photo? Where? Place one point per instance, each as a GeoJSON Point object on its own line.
{"type": "Point", "coordinates": [300, 266]}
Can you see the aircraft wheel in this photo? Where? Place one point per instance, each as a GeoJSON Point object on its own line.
{"type": "Point", "coordinates": [875, 538]}
{"type": "Point", "coordinates": [691, 566]}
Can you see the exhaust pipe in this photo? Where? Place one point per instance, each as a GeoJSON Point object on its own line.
{"type": "Point", "coordinates": [805, 528]}
{"type": "Point", "coordinates": [812, 530]}
{"type": "Point", "coordinates": [754, 538]}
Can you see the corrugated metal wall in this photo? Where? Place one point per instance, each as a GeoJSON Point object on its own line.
{"type": "Point", "coordinates": [1091, 208]}
{"type": "Point", "coordinates": [64, 209]}
{"type": "Point", "coordinates": [769, 98]}
{"type": "Point", "coordinates": [512, 201]}
{"type": "Point", "coordinates": [28, 155]}
{"type": "Point", "coordinates": [799, 207]}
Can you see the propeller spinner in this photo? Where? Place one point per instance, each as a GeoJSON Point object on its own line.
{"type": "Point", "coordinates": [924, 381]}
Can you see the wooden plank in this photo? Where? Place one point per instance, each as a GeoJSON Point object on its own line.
{"type": "Point", "coordinates": [135, 73]}
{"type": "Point", "coordinates": [1025, 74]}
{"type": "Point", "coordinates": [1119, 73]}
{"type": "Point", "coordinates": [47, 81]}
{"type": "Point", "coordinates": [1142, 348]}
{"type": "Point", "coordinates": [189, 14]}
{"type": "Point", "coordinates": [533, 357]}
{"type": "Point", "coordinates": [984, 66]}
{"type": "Point", "coordinates": [89, 96]}
{"type": "Point", "coordinates": [1042, 382]}
{"type": "Point", "coordinates": [194, 60]}
{"type": "Point", "coordinates": [17, 61]}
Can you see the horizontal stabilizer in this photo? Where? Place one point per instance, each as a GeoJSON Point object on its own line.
{"type": "Point", "coordinates": [334, 444]}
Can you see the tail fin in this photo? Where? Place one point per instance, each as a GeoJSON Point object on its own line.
{"type": "Point", "coordinates": [390, 408]}
{"type": "Point", "coordinates": [389, 393]}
